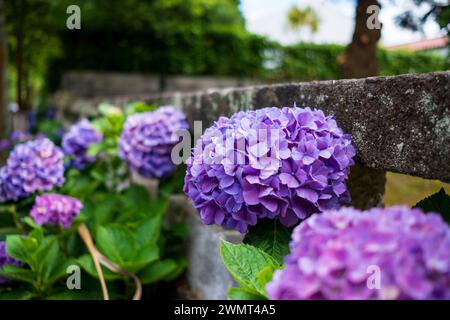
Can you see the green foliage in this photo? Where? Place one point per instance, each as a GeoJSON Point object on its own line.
{"type": "Point", "coordinates": [161, 37]}
{"type": "Point", "coordinates": [42, 256]}
{"type": "Point", "coordinates": [126, 225]}
{"type": "Point", "coordinates": [253, 263]}
{"type": "Point", "coordinates": [271, 237]}
{"type": "Point", "coordinates": [308, 61]}
{"type": "Point", "coordinates": [438, 202]}
{"type": "Point", "coordinates": [251, 267]}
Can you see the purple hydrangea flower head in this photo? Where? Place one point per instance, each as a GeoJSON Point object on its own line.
{"type": "Point", "coordinates": [20, 136]}
{"type": "Point", "coordinates": [394, 253]}
{"type": "Point", "coordinates": [55, 209]}
{"type": "Point", "coordinates": [9, 190]}
{"type": "Point", "coordinates": [6, 259]}
{"type": "Point", "coordinates": [77, 140]}
{"type": "Point", "coordinates": [36, 165]}
{"type": "Point", "coordinates": [147, 140]}
{"type": "Point", "coordinates": [270, 163]}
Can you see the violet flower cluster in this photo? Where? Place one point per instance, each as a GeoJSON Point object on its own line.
{"type": "Point", "coordinates": [55, 209]}
{"type": "Point", "coordinates": [32, 166]}
{"type": "Point", "coordinates": [284, 164]}
{"type": "Point", "coordinates": [395, 253]}
{"type": "Point", "coordinates": [77, 140]}
{"type": "Point", "coordinates": [6, 259]}
{"type": "Point", "coordinates": [147, 140]}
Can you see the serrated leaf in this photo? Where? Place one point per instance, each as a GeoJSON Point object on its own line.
{"type": "Point", "coordinates": [271, 237]}
{"type": "Point", "coordinates": [244, 262]}
{"type": "Point", "coordinates": [438, 202]}
{"type": "Point", "coordinates": [242, 294]}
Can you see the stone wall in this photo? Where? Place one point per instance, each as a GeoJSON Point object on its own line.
{"type": "Point", "coordinates": [88, 84]}
{"type": "Point", "coordinates": [399, 124]}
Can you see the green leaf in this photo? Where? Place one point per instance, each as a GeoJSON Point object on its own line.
{"type": "Point", "coordinates": [117, 243]}
{"type": "Point", "coordinates": [145, 255]}
{"type": "Point", "coordinates": [87, 264]}
{"type": "Point", "coordinates": [137, 107]}
{"type": "Point", "coordinates": [148, 231]}
{"type": "Point", "coordinates": [157, 271]}
{"type": "Point", "coordinates": [242, 294]}
{"type": "Point", "coordinates": [105, 209]}
{"type": "Point", "coordinates": [265, 275]}
{"type": "Point", "coordinates": [17, 273]}
{"type": "Point", "coordinates": [438, 202]}
{"type": "Point", "coordinates": [181, 266]}
{"type": "Point", "coordinates": [244, 262]}
{"type": "Point", "coordinates": [271, 237]}
{"type": "Point", "coordinates": [20, 248]}
{"type": "Point", "coordinates": [30, 222]}
{"type": "Point", "coordinates": [16, 294]}
{"type": "Point", "coordinates": [48, 257]}
{"type": "Point", "coordinates": [94, 149]}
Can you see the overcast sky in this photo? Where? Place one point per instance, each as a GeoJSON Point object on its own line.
{"type": "Point", "coordinates": [268, 17]}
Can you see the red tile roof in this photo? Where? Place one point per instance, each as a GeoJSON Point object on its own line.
{"type": "Point", "coordinates": [422, 45]}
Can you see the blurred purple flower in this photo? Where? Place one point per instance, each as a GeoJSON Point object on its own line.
{"type": "Point", "coordinates": [55, 209]}
{"type": "Point", "coordinates": [147, 140]}
{"type": "Point", "coordinates": [32, 166]}
{"type": "Point", "coordinates": [6, 259]}
{"type": "Point", "coordinates": [337, 254]}
{"type": "Point", "coordinates": [4, 144]}
{"type": "Point", "coordinates": [77, 140]}
{"type": "Point", "coordinates": [270, 163]}
{"type": "Point", "coordinates": [32, 120]}
{"type": "Point", "coordinates": [51, 112]}
{"type": "Point", "coordinates": [20, 136]}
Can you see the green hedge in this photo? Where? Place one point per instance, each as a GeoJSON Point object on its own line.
{"type": "Point", "coordinates": [212, 52]}
{"type": "Point", "coordinates": [221, 53]}
{"type": "Point", "coordinates": [308, 61]}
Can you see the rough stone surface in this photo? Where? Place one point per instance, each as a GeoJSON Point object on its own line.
{"type": "Point", "coordinates": [206, 275]}
{"type": "Point", "coordinates": [399, 123]}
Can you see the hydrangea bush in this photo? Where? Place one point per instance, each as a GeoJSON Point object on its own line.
{"type": "Point", "coordinates": [35, 165]}
{"type": "Point", "coordinates": [77, 140]}
{"type": "Point", "coordinates": [47, 207]}
{"type": "Point", "coordinates": [147, 140]}
{"type": "Point", "coordinates": [284, 164]}
{"type": "Point", "coordinates": [334, 254]}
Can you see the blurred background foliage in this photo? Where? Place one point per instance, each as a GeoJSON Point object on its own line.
{"type": "Point", "coordinates": [191, 37]}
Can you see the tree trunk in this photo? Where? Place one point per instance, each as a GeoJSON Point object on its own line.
{"type": "Point", "coordinates": [3, 68]}
{"type": "Point", "coordinates": [360, 57]}
{"type": "Point", "coordinates": [366, 185]}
